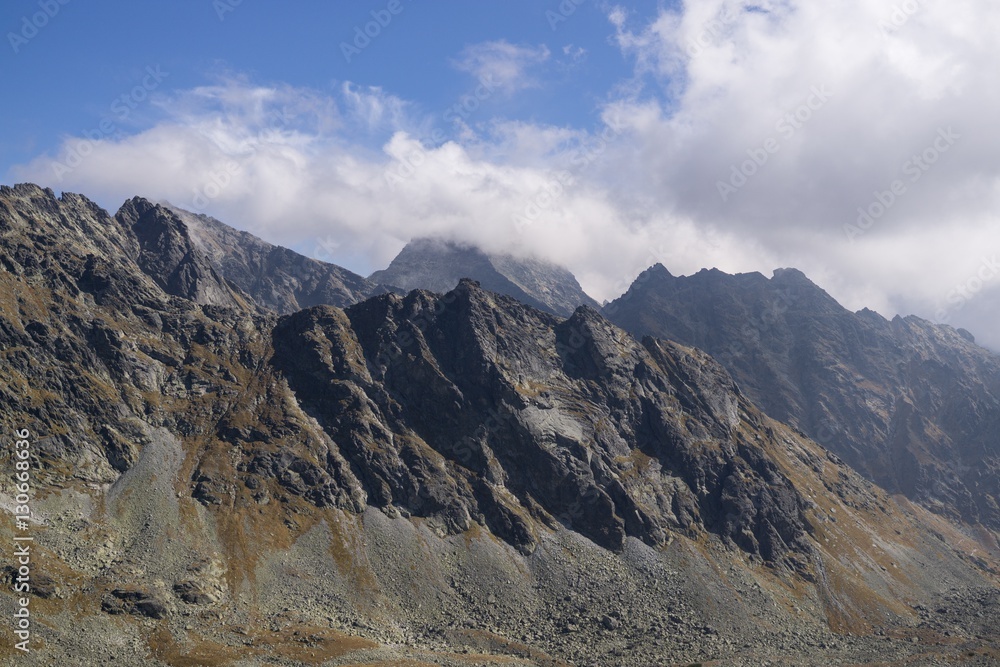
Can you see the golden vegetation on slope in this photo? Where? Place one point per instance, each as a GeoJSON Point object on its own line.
{"type": "Point", "coordinates": [308, 645]}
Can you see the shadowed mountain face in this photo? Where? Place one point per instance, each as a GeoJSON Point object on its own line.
{"type": "Point", "coordinates": [913, 405]}
{"type": "Point", "coordinates": [428, 476]}
{"type": "Point", "coordinates": [169, 254]}
{"type": "Point", "coordinates": [532, 421]}
{"type": "Point", "coordinates": [276, 278]}
{"type": "Point", "coordinates": [438, 266]}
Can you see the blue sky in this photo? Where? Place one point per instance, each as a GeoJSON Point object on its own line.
{"type": "Point", "coordinates": [88, 55]}
{"type": "Point", "coordinates": [854, 141]}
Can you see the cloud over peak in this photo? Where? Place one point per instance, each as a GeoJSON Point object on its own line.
{"type": "Point", "coordinates": [854, 141]}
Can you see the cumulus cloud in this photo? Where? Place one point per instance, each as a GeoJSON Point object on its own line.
{"type": "Point", "coordinates": [295, 167]}
{"type": "Point", "coordinates": [853, 141]}
{"type": "Point", "coordinates": [792, 123]}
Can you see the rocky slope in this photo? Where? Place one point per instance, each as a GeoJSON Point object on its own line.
{"type": "Point", "coordinates": [437, 266]}
{"type": "Point", "coordinates": [447, 478]}
{"type": "Point", "coordinates": [274, 277]}
{"type": "Point", "coordinates": [913, 405]}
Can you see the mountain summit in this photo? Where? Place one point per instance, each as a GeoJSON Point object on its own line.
{"type": "Point", "coordinates": [913, 405]}
{"type": "Point", "coordinates": [276, 278]}
{"type": "Point", "coordinates": [438, 265]}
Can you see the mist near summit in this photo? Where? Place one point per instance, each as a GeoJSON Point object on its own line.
{"type": "Point", "coordinates": [853, 142]}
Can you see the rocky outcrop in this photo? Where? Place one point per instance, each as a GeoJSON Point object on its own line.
{"type": "Point", "coordinates": [913, 405]}
{"type": "Point", "coordinates": [137, 602]}
{"type": "Point", "coordinates": [437, 265]}
{"type": "Point", "coordinates": [276, 278]}
{"type": "Point", "coordinates": [471, 407]}
{"type": "Point", "coordinates": [167, 253]}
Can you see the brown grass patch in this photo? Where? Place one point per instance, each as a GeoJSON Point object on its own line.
{"type": "Point", "coordinates": [307, 645]}
{"type": "Point", "coordinates": [191, 653]}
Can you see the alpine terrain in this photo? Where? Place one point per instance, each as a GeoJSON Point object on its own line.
{"type": "Point", "coordinates": [240, 456]}
{"type": "Point", "coordinates": [912, 405]}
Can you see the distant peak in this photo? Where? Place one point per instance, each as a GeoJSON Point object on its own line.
{"type": "Point", "coordinates": [134, 209]}
{"type": "Point", "coordinates": [655, 271]}
{"type": "Point", "coordinates": [437, 244]}
{"type": "Point", "coordinates": [871, 315]}
{"type": "Point", "coordinates": [28, 189]}
{"type": "Point", "coordinates": [789, 273]}
{"type": "Point", "coordinates": [437, 265]}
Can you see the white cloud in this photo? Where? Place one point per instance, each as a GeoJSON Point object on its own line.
{"type": "Point", "coordinates": [734, 74]}
{"type": "Point", "coordinates": [574, 53]}
{"type": "Point", "coordinates": [503, 65]}
{"type": "Point", "coordinates": [374, 108]}
{"type": "Point", "coordinates": [296, 174]}
{"type": "Point", "coordinates": [714, 86]}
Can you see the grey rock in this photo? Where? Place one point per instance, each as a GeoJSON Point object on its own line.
{"type": "Point", "coordinates": [276, 278]}
{"type": "Point", "coordinates": [437, 266]}
{"type": "Point", "coordinates": [913, 405]}
{"type": "Point", "coordinates": [131, 601]}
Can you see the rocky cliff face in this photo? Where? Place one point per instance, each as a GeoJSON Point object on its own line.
{"type": "Point", "coordinates": [913, 405]}
{"type": "Point", "coordinates": [276, 278]}
{"type": "Point", "coordinates": [448, 473]}
{"type": "Point", "coordinates": [170, 255]}
{"type": "Point", "coordinates": [437, 266]}
{"type": "Point", "coordinates": [520, 422]}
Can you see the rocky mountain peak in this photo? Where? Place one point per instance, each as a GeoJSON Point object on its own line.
{"type": "Point", "coordinates": [134, 209]}
{"type": "Point", "coordinates": [276, 278]}
{"type": "Point", "coordinates": [167, 254]}
{"type": "Point", "coordinates": [883, 395]}
{"type": "Point", "coordinates": [438, 265]}
{"type": "Point", "coordinates": [790, 274]}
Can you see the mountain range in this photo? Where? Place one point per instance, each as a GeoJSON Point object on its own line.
{"type": "Point", "coordinates": [243, 456]}
{"type": "Point", "coordinates": [914, 406]}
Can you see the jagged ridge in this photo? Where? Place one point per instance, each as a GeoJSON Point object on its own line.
{"type": "Point", "coordinates": [913, 405]}
{"type": "Point", "coordinates": [396, 460]}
